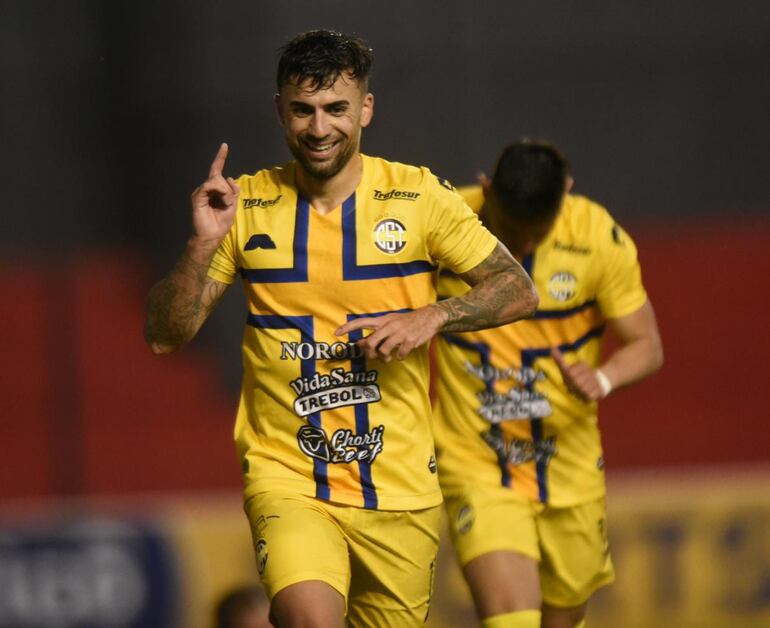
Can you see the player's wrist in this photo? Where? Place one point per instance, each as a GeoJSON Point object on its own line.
{"type": "Point", "coordinates": [440, 314]}
{"type": "Point", "coordinates": [202, 249]}
{"type": "Point", "coordinates": [604, 382]}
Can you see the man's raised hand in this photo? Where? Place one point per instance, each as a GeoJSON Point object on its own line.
{"type": "Point", "coordinates": [214, 203]}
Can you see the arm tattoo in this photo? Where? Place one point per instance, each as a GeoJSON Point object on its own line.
{"type": "Point", "coordinates": [501, 293]}
{"type": "Point", "coordinates": [178, 304]}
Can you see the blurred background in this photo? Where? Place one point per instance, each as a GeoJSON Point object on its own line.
{"type": "Point", "coordinates": [119, 485]}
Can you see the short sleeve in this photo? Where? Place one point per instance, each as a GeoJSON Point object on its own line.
{"type": "Point", "coordinates": [620, 291]}
{"type": "Point", "coordinates": [456, 238]}
{"type": "Point", "coordinates": [223, 266]}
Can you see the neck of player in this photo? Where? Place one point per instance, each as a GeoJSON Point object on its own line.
{"type": "Point", "coordinates": [324, 195]}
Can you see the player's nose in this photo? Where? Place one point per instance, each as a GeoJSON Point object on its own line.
{"type": "Point", "coordinates": [319, 125]}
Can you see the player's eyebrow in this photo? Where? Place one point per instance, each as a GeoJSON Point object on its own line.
{"type": "Point", "coordinates": [337, 104]}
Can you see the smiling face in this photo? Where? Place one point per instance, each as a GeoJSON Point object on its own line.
{"type": "Point", "coordinates": [323, 126]}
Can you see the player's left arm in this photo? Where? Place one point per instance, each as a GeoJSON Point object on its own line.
{"type": "Point", "coordinates": [639, 355]}
{"type": "Point", "coordinates": [501, 292]}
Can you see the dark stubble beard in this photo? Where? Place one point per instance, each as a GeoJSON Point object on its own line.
{"type": "Point", "coordinates": [326, 170]}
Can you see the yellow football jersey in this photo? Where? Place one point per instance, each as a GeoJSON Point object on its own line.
{"type": "Point", "coordinates": [503, 414]}
{"type": "Point", "coordinates": [316, 417]}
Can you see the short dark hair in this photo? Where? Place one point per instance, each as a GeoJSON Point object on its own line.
{"type": "Point", "coordinates": [322, 56]}
{"type": "Point", "coordinates": [530, 179]}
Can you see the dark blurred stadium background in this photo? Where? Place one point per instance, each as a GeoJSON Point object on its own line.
{"type": "Point", "coordinates": [119, 501]}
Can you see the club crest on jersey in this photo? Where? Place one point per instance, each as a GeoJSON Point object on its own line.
{"type": "Point", "coordinates": [338, 389]}
{"type": "Point", "coordinates": [562, 286]}
{"type": "Point", "coordinates": [343, 447]}
{"type": "Point", "coordinates": [389, 236]}
{"type": "Point", "coordinates": [519, 451]}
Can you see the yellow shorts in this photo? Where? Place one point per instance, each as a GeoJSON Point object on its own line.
{"type": "Point", "coordinates": [381, 562]}
{"type": "Point", "coordinates": [569, 543]}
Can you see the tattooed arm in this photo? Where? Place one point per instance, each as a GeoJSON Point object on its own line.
{"type": "Point", "coordinates": [178, 304]}
{"type": "Point", "coordinates": [501, 293]}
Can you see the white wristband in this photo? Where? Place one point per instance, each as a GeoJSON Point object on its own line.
{"type": "Point", "coordinates": [604, 383]}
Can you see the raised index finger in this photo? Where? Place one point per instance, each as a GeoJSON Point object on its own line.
{"type": "Point", "coordinates": [219, 162]}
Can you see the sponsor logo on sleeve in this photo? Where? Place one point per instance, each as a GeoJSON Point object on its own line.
{"type": "Point", "coordinates": [260, 203]}
{"type": "Point", "coordinates": [618, 235]}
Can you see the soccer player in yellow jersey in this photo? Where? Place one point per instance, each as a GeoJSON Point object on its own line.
{"type": "Point", "coordinates": [519, 453]}
{"type": "Point", "coordinates": [337, 253]}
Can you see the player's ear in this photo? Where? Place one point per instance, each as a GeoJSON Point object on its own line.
{"type": "Point", "coordinates": [367, 109]}
{"type": "Point", "coordinates": [568, 184]}
{"type": "Point", "coordinates": [485, 183]}
{"type": "Point", "coordinates": [278, 109]}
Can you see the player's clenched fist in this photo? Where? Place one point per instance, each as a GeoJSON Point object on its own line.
{"type": "Point", "coordinates": [581, 380]}
{"type": "Point", "coordinates": [214, 203]}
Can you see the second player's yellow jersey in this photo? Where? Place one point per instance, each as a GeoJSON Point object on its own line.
{"type": "Point", "coordinates": [315, 416]}
{"type": "Point", "coordinates": [504, 416]}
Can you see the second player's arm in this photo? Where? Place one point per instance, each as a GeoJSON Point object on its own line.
{"type": "Point", "coordinates": [501, 293]}
{"type": "Point", "coordinates": [640, 354]}
{"type": "Point", "coordinates": [641, 350]}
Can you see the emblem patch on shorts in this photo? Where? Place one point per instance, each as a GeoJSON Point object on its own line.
{"type": "Point", "coordinates": [465, 519]}
{"type": "Point", "coordinates": [261, 550]}
{"type": "Point", "coordinates": [432, 464]}
{"type": "Point", "coordinates": [389, 236]}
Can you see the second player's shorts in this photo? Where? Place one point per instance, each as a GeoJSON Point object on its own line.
{"type": "Point", "coordinates": [570, 544]}
{"type": "Point", "coordinates": [381, 562]}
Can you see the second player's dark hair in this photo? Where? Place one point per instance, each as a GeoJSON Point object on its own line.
{"type": "Point", "coordinates": [321, 56]}
{"type": "Point", "coordinates": [530, 179]}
